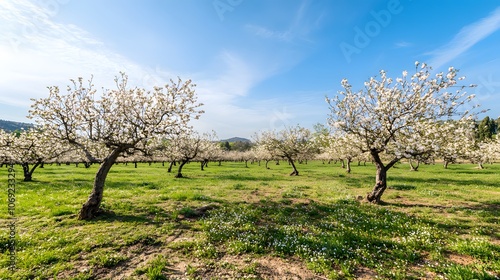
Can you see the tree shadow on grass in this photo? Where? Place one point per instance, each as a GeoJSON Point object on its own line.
{"type": "Point", "coordinates": [111, 216]}
{"type": "Point", "coordinates": [401, 187]}
{"type": "Point", "coordinates": [443, 181]}
{"type": "Point", "coordinates": [486, 212]}
{"type": "Point", "coordinates": [246, 178]}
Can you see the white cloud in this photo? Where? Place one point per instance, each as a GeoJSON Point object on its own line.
{"type": "Point", "coordinates": [465, 39]}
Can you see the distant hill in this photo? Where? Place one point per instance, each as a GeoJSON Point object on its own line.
{"type": "Point", "coordinates": [10, 126]}
{"type": "Point", "coordinates": [236, 139]}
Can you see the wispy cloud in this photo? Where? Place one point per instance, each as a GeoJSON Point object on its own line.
{"type": "Point", "coordinates": [267, 33]}
{"type": "Point", "coordinates": [298, 28]}
{"type": "Point", "coordinates": [465, 39]}
{"type": "Point", "coordinates": [403, 44]}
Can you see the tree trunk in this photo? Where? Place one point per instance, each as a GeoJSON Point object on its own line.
{"type": "Point", "coordinates": [414, 167]}
{"type": "Point", "coordinates": [380, 185]}
{"type": "Point", "coordinates": [202, 164]}
{"type": "Point", "coordinates": [28, 174]}
{"type": "Point", "coordinates": [381, 178]}
{"type": "Point", "coordinates": [179, 171]}
{"type": "Point", "coordinates": [267, 164]}
{"type": "Point", "coordinates": [343, 163]}
{"type": "Point", "coordinates": [348, 165]}
{"type": "Point", "coordinates": [170, 166]}
{"type": "Point", "coordinates": [92, 207]}
{"type": "Point", "coordinates": [295, 172]}
{"type": "Point", "coordinates": [445, 164]}
{"type": "Point", "coordinates": [480, 165]}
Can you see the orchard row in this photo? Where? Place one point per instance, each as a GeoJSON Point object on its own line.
{"type": "Point", "coordinates": [421, 117]}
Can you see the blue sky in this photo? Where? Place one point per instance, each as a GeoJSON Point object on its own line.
{"type": "Point", "coordinates": [258, 64]}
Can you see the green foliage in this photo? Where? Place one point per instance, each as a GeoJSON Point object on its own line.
{"type": "Point", "coordinates": [240, 146]}
{"type": "Point", "coordinates": [17, 127]}
{"type": "Point", "coordinates": [486, 129]}
{"type": "Point", "coordinates": [225, 146]}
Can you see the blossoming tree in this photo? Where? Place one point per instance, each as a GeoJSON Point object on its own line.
{"type": "Point", "coordinates": [188, 147]}
{"type": "Point", "coordinates": [122, 120]}
{"type": "Point", "coordinates": [289, 143]}
{"type": "Point", "coordinates": [399, 118]}
{"type": "Point", "coordinates": [30, 149]}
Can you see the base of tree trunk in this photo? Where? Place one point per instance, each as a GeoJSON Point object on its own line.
{"type": "Point", "coordinates": [294, 173]}
{"type": "Point", "coordinates": [179, 175]}
{"type": "Point", "coordinates": [376, 194]}
{"type": "Point", "coordinates": [89, 211]}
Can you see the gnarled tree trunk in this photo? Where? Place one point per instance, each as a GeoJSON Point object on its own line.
{"type": "Point", "coordinates": [179, 171]}
{"type": "Point", "coordinates": [92, 207]}
{"type": "Point", "coordinates": [381, 178]}
{"type": "Point", "coordinates": [380, 185]}
{"type": "Point", "coordinates": [28, 173]}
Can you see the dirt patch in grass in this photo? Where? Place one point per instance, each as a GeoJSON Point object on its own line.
{"type": "Point", "coordinates": [461, 259]}
{"type": "Point", "coordinates": [364, 273]}
{"type": "Point", "coordinates": [256, 267]}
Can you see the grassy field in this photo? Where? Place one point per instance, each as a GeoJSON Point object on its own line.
{"type": "Point", "coordinates": [232, 222]}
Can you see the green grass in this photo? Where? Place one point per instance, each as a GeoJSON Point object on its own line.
{"type": "Point", "coordinates": [434, 223]}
